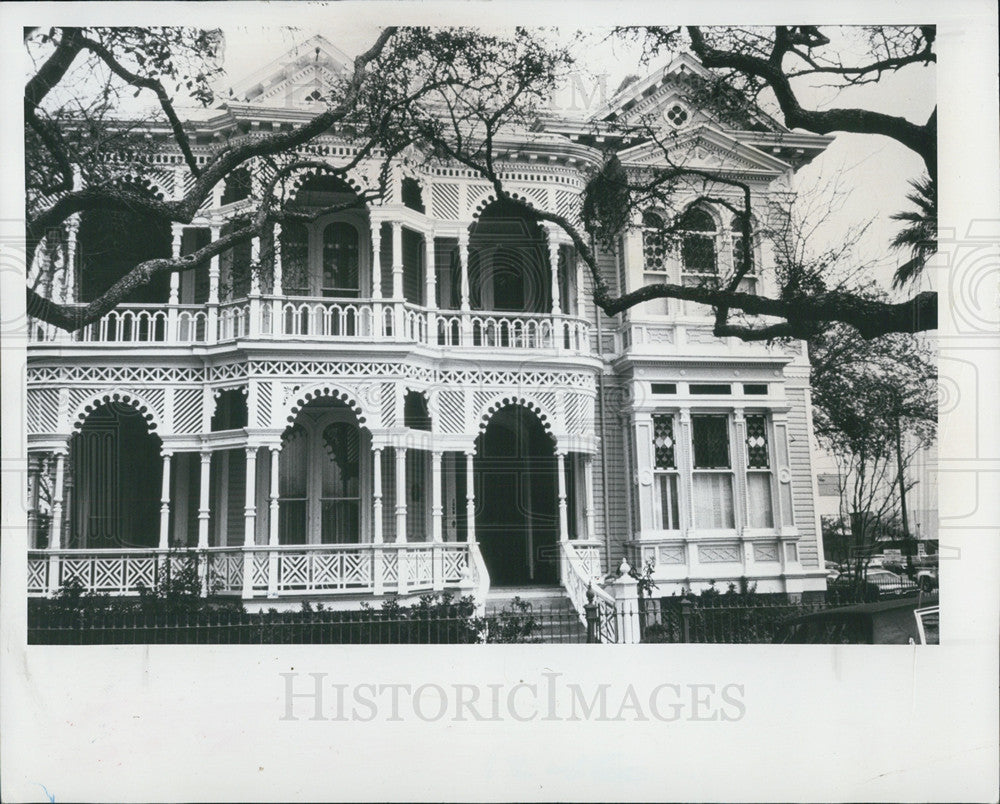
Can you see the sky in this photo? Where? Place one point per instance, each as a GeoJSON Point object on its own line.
{"type": "Point", "coordinates": [873, 171]}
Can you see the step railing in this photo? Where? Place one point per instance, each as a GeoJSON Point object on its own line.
{"type": "Point", "coordinates": [580, 584]}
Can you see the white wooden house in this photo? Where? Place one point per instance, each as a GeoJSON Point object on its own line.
{"type": "Point", "coordinates": [420, 394]}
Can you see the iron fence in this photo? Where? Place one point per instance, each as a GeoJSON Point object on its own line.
{"type": "Point", "coordinates": [451, 624]}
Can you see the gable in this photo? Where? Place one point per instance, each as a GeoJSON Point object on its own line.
{"type": "Point", "coordinates": [664, 97]}
{"type": "Point", "coordinates": [295, 78]}
{"type": "Point", "coordinates": [705, 148]}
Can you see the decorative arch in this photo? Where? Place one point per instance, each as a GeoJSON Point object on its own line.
{"type": "Point", "coordinates": [545, 418]}
{"type": "Point", "coordinates": [304, 396]}
{"type": "Point", "coordinates": [699, 204]}
{"type": "Point", "coordinates": [491, 198]}
{"type": "Point", "coordinates": [300, 176]}
{"type": "Point", "coordinates": [145, 408]}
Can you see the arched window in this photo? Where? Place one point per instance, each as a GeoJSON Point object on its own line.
{"type": "Point", "coordinates": [654, 244]}
{"type": "Point", "coordinates": [319, 481]}
{"type": "Point", "coordinates": [295, 259]}
{"type": "Point", "coordinates": [698, 244]}
{"type": "Point", "coordinates": [340, 260]}
{"type": "Point", "coordinates": [699, 258]}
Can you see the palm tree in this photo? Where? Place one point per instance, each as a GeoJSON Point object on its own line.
{"type": "Point", "coordinates": [920, 233]}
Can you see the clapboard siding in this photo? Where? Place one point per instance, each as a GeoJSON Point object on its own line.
{"type": "Point", "coordinates": [802, 480]}
{"type": "Point", "coordinates": [612, 472]}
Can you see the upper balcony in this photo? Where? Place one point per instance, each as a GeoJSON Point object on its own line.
{"type": "Point", "coordinates": [389, 275]}
{"type": "Point", "coordinates": [322, 320]}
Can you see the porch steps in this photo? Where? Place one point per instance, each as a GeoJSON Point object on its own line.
{"type": "Point", "coordinates": [558, 621]}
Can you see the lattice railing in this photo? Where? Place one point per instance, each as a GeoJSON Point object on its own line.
{"type": "Point", "coordinates": [273, 571]}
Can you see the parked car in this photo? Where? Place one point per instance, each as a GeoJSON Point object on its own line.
{"type": "Point", "coordinates": [889, 583]}
{"type": "Point", "coordinates": [900, 621]}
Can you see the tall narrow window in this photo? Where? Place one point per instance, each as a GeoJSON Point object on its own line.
{"type": "Point", "coordinates": [655, 259]}
{"type": "Point", "coordinates": [761, 513]}
{"type": "Point", "coordinates": [749, 282]}
{"type": "Point", "coordinates": [699, 262]}
{"type": "Point", "coordinates": [340, 261]}
{"type": "Point", "coordinates": [665, 471]}
{"type": "Point", "coordinates": [293, 487]}
{"type": "Point", "coordinates": [339, 494]}
{"type": "Point", "coordinates": [295, 259]}
{"type": "Point", "coordinates": [712, 478]}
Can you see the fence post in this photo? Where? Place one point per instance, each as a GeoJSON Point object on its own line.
{"type": "Point", "coordinates": [686, 607]}
{"type": "Point", "coordinates": [590, 608]}
{"type": "Point", "coordinates": [625, 589]}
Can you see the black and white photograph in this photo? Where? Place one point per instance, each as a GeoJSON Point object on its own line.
{"type": "Point", "coordinates": [377, 360]}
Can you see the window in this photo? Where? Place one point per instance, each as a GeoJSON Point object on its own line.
{"type": "Point", "coordinates": [656, 265]}
{"type": "Point", "coordinates": [749, 282]}
{"type": "Point", "coordinates": [665, 472]}
{"type": "Point", "coordinates": [712, 478]}
{"type": "Point", "coordinates": [295, 259]}
{"type": "Point", "coordinates": [711, 389]}
{"type": "Point", "coordinates": [660, 388]}
{"type": "Point", "coordinates": [759, 499]}
{"type": "Point", "coordinates": [755, 389]}
{"type": "Point", "coordinates": [699, 260]}
{"type": "Point", "coordinates": [340, 260]}
{"type": "Point", "coordinates": [319, 484]}
{"type": "Point", "coordinates": [339, 494]}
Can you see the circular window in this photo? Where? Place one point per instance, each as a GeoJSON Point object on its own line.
{"type": "Point", "coordinates": [676, 115]}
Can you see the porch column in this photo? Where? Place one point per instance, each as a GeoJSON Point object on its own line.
{"type": "Point", "coordinates": [253, 325]}
{"type": "Point", "coordinates": [278, 277]}
{"type": "Point", "coordinates": [377, 324]}
{"type": "Point", "coordinates": [172, 333]}
{"type": "Point", "coordinates": [34, 470]}
{"type": "Point", "coordinates": [400, 494]}
{"type": "Point", "coordinates": [249, 520]}
{"type": "Point", "coordinates": [274, 524]}
{"type": "Point", "coordinates": [437, 510]}
{"type": "Point", "coordinates": [430, 286]}
{"type": "Point", "coordinates": [588, 493]}
{"type": "Point", "coordinates": [563, 511]}
{"type": "Point", "coordinates": [557, 328]}
{"type": "Point", "coordinates": [250, 507]}
{"type": "Point", "coordinates": [55, 527]}
{"type": "Point", "coordinates": [212, 335]}
{"type": "Point", "coordinates": [165, 502]}
{"type": "Point", "coordinates": [463, 261]}
{"type": "Point", "coordinates": [175, 278]}
{"type": "Point", "coordinates": [377, 536]}
{"type": "Point", "coordinates": [470, 499]}
{"type": "Point", "coordinates": [69, 274]}
{"type": "Point", "coordinates": [277, 319]}
{"type": "Point", "coordinates": [204, 510]}
{"type": "Point", "coordinates": [397, 279]}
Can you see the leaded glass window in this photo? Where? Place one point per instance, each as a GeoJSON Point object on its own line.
{"type": "Point", "coordinates": [654, 244]}
{"type": "Point", "coordinates": [667, 507]}
{"type": "Point", "coordinates": [663, 442]}
{"type": "Point", "coordinates": [757, 453]}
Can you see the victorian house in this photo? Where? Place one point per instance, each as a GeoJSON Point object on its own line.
{"type": "Point", "coordinates": [419, 394]}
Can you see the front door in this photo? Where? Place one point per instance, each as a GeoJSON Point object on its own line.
{"type": "Point", "coordinates": [516, 506]}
